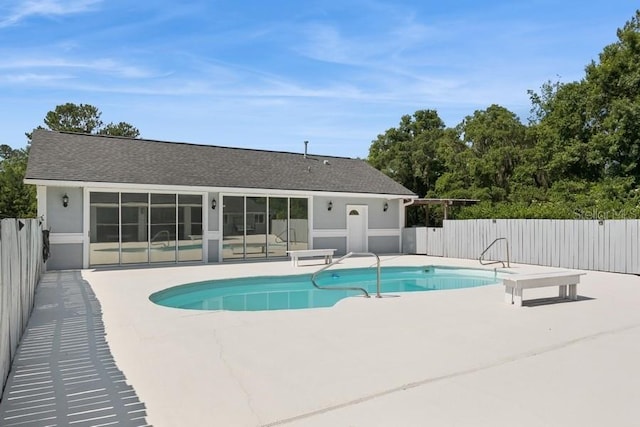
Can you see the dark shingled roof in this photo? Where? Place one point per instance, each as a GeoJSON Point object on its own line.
{"type": "Point", "coordinates": [61, 156]}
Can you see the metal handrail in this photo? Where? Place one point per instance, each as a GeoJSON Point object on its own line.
{"type": "Point", "coordinates": [161, 233]}
{"type": "Point", "coordinates": [489, 247]}
{"type": "Point", "coordinates": [349, 288]}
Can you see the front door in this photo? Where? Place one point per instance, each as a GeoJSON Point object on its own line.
{"type": "Point", "coordinates": [356, 228]}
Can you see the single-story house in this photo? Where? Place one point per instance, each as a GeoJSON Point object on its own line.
{"type": "Point", "coordinates": [119, 201]}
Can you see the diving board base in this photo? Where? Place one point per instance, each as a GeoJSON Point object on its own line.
{"type": "Point", "coordinates": [567, 282]}
{"type": "Point", "coordinates": [309, 253]}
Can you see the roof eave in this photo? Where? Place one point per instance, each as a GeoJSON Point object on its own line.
{"type": "Point", "coordinates": [210, 189]}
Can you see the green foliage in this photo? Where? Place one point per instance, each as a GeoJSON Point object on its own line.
{"type": "Point", "coordinates": [120, 129]}
{"type": "Point", "coordinates": [17, 200]}
{"type": "Point", "coordinates": [69, 117]}
{"type": "Point", "coordinates": [608, 199]}
{"type": "Point", "coordinates": [578, 156]}
{"type": "Point", "coordinates": [408, 153]}
{"type": "Point", "coordinates": [85, 118]}
{"type": "Point", "coordinates": [536, 210]}
{"type": "Point", "coordinates": [615, 102]}
{"type": "Point", "coordinates": [496, 139]}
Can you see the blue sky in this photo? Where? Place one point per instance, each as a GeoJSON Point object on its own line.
{"type": "Point", "coordinates": [271, 74]}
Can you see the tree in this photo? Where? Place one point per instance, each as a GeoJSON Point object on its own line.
{"type": "Point", "coordinates": [17, 200]}
{"type": "Point", "coordinates": [580, 149]}
{"type": "Point", "coordinates": [614, 103]}
{"type": "Point", "coordinates": [456, 180]}
{"type": "Point", "coordinates": [120, 129]}
{"type": "Point", "coordinates": [70, 117]}
{"type": "Point", "coordinates": [85, 118]}
{"type": "Point", "coordinates": [486, 155]}
{"type": "Point", "coordinates": [587, 133]}
{"type": "Point", "coordinates": [408, 153]}
{"type": "Point", "coordinates": [563, 134]}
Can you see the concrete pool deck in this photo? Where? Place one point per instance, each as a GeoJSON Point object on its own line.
{"type": "Point", "coordinates": [446, 358]}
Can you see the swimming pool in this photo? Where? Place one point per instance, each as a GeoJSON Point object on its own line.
{"type": "Point", "coordinates": [297, 292]}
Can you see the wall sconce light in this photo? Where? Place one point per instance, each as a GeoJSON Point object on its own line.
{"type": "Point", "coordinates": [65, 200]}
{"type": "Point", "coordinates": [214, 203]}
{"type": "Point", "coordinates": [385, 207]}
{"type": "Point", "coordinates": [329, 205]}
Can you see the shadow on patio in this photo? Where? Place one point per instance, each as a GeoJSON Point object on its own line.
{"type": "Point", "coordinates": [64, 373]}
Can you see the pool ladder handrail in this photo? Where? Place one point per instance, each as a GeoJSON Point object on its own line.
{"type": "Point", "coordinates": [349, 288]}
{"type": "Point", "coordinates": [499, 261]}
{"type": "Point", "coordinates": [156, 238]}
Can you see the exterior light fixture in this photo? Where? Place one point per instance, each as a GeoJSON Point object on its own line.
{"type": "Point", "coordinates": [329, 205]}
{"type": "Point", "coordinates": [65, 200]}
{"type": "Point", "coordinates": [385, 207]}
{"type": "Point", "coordinates": [214, 203]}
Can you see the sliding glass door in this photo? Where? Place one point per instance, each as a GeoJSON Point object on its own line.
{"type": "Point", "coordinates": [263, 227]}
{"type": "Point", "coordinates": [138, 228]}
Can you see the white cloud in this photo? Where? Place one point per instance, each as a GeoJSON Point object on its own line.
{"type": "Point", "coordinates": [33, 78]}
{"type": "Point", "coordinates": [103, 66]}
{"type": "Point", "coordinates": [25, 9]}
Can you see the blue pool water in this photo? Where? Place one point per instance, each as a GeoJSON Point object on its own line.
{"type": "Point", "coordinates": [296, 292]}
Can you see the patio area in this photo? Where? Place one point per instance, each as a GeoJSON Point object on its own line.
{"type": "Point", "coordinates": [459, 357]}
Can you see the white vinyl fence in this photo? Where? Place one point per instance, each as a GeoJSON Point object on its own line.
{"type": "Point", "coordinates": [609, 245]}
{"type": "Point", "coordinates": [421, 240]}
{"type": "Point", "coordinates": [20, 270]}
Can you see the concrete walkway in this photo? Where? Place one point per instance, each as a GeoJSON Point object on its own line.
{"type": "Point", "coordinates": [450, 358]}
{"type": "Point", "coordinates": [63, 373]}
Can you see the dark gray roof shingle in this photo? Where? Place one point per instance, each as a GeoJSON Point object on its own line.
{"type": "Point", "coordinates": [61, 156]}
